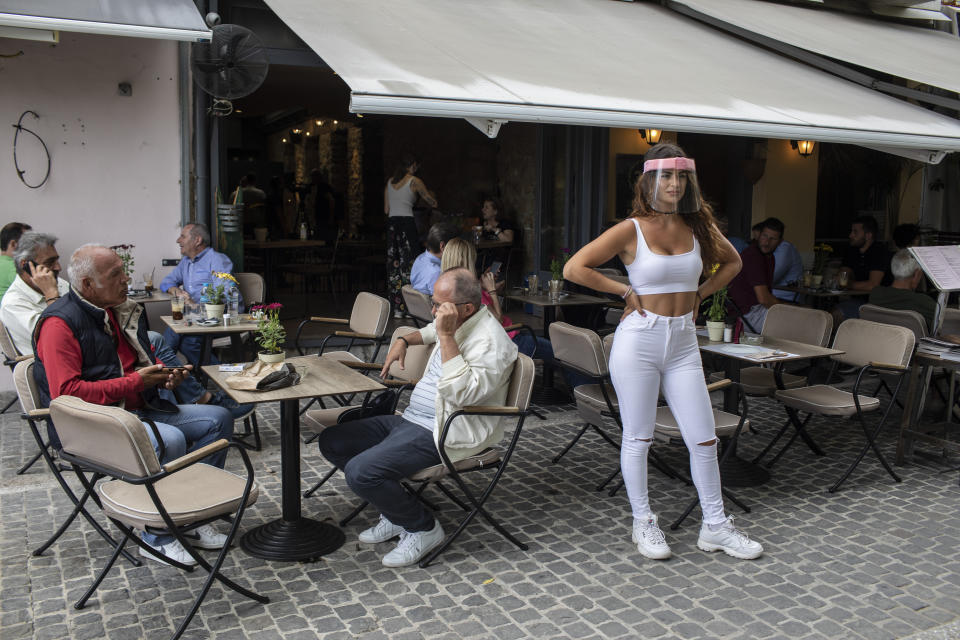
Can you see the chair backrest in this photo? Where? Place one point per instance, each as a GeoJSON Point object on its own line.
{"type": "Point", "coordinates": [26, 387]}
{"type": "Point", "coordinates": [863, 341]}
{"type": "Point", "coordinates": [800, 324]}
{"type": "Point", "coordinates": [107, 436]}
{"type": "Point", "coordinates": [521, 383]}
{"type": "Point", "coordinates": [253, 288]}
{"type": "Point", "coordinates": [418, 304]}
{"type": "Point", "coordinates": [902, 318]}
{"type": "Point", "coordinates": [578, 346]}
{"type": "Point", "coordinates": [6, 344]}
{"type": "Point", "coordinates": [370, 314]}
{"type": "Point", "coordinates": [415, 361]}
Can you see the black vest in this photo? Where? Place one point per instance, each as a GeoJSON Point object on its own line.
{"type": "Point", "coordinates": [87, 322]}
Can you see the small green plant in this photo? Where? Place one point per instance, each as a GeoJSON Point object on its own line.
{"type": "Point", "coordinates": [556, 264]}
{"type": "Point", "coordinates": [717, 311]}
{"type": "Point", "coordinates": [218, 290]}
{"type": "Point", "coordinates": [123, 251]}
{"type": "Point", "coordinates": [270, 332]}
{"type": "Point", "coordinates": [821, 254]}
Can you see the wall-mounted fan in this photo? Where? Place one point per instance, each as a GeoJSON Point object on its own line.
{"type": "Point", "coordinates": [232, 65]}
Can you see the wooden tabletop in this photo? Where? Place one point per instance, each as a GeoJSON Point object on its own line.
{"type": "Point", "coordinates": [319, 377]}
{"type": "Point", "coordinates": [290, 243]}
{"type": "Point", "coordinates": [791, 350]}
{"type": "Point", "coordinates": [180, 327]}
{"type": "Point", "coordinates": [823, 293]}
{"type": "Point", "coordinates": [155, 296]}
{"type": "Point", "coordinates": [566, 299]}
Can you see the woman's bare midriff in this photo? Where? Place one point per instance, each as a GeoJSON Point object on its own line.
{"type": "Point", "coordinates": [669, 304]}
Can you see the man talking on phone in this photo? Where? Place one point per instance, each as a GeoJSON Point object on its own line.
{"type": "Point", "coordinates": [92, 343]}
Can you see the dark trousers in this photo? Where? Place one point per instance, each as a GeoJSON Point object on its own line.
{"type": "Point", "coordinates": [375, 454]}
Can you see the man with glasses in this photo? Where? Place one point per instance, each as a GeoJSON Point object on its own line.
{"type": "Point", "coordinates": [471, 365]}
{"type": "Point", "coordinates": [35, 286]}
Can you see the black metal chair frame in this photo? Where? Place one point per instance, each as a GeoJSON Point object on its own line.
{"type": "Point", "coordinates": [213, 570]}
{"type": "Point", "coordinates": [800, 427]}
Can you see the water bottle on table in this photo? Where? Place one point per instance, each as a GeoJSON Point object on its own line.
{"type": "Point", "coordinates": [204, 300]}
{"type": "Point", "coordinates": [233, 304]}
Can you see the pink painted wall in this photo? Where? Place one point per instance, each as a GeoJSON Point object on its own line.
{"type": "Point", "coordinates": [115, 174]}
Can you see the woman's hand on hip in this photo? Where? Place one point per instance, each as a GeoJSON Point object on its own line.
{"type": "Point", "coordinates": [632, 303]}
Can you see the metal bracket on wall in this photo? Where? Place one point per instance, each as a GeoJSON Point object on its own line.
{"type": "Point", "coordinates": [488, 126]}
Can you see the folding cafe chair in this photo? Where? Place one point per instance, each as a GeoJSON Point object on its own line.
{"type": "Point", "coordinates": [581, 350]}
{"type": "Point", "coordinates": [873, 347]}
{"type": "Point", "coordinates": [34, 417]}
{"type": "Point", "coordinates": [10, 358]}
{"type": "Point", "coordinates": [418, 305]}
{"type": "Point", "coordinates": [144, 495]}
{"type": "Point", "coordinates": [902, 318]}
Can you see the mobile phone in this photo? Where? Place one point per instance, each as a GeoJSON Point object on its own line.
{"type": "Point", "coordinates": [172, 369]}
{"type": "Point", "coordinates": [495, 267]}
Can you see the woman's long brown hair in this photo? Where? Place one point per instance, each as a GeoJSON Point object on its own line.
{"type": "Point", "coordinates": [702, 222]}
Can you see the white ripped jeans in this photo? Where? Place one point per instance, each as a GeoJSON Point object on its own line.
{"type": "Point", "coordinates": [650, 352]}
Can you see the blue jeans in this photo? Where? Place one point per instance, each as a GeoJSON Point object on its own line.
{"type": "Point", "coordinates": [375, 454]}
{"type": "Point", "coordinates": [189, 346]}
{"type": "Point", "coordinates": [194, 426]}
{"type": "Point", "coordinates": [190, 390]}
{"type": "Point", "coordinates": [525, 343]}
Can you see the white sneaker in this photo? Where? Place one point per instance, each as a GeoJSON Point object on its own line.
{"type": "Point", "coordinates": [380, 532]}
{"type": "Point", "coordinates": [172, 549]}
{"type": "Point", "coordinates": [398, 314]}
{"type": "Point", "coordinates": [649, 539]}
{"type": "Point", "coordinates": [414, 546]}
{"type": "Point", "coordinates": [730, 540]}
{"type": "Point", "coordinates": [206, 537]}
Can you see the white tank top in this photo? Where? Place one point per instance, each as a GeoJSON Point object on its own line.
{"type": "Point", "coordinates": [655, 273]}
{"type": "Point", "coordinates": [401, 200]}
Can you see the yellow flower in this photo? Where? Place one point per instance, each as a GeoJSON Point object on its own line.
{"type": "Point", "coordinates": [225, 276]}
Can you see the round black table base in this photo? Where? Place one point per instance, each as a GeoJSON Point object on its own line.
{"type": "Point", "coordinates": [302, 539]}
{"type": "Point", "coordinates": [737, 472]}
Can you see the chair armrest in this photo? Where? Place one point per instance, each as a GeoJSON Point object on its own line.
{"type": "Point", "coordinates": [887, 365]}
{"type": "Point", "coordinates": [22, 358]}
{"type": "Point", "coordinates": [39, 414]}
{"type": "Point", "coordinates": [354, 334]}
{"type": "Point", "coordinates": [500, 411]}
{"type": "Point", "coordinates": [195, 456]}
{"type": "Point", "coordinates": [396, 384]}
{"type": "Point", "coordinates": [363, 366]}
{"type": "Point", "coordinates": [329, 320]}
{"type": "Point", "coordinates": [515, 327]}
{"type": "Point", "coordinates": [719, 384]}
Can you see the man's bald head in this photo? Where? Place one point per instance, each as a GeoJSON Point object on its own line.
{"type": "Point", "coordinates": [96, 272]}
{"type": "Point", "coordinates": [460, 285]}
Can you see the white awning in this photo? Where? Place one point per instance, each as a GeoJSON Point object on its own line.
{"type": "Point", "coordinates": [165, 20]}
{"type": "Point", "coordinates": [592, 62]}
{"type": "Point", "coordinates": [923, 55]}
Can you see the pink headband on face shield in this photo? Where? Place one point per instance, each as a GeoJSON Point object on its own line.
{"type": "Point", "coordinates": [684, 164]}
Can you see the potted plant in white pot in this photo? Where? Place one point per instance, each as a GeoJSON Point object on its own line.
{"type": "Point", "coordinates": [270, 332]}
{"type": "Point", "coordinates": [217, 294]}
{"type": "Point", "coordinates": [717, 315]}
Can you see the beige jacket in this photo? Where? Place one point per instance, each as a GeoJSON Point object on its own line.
{"type": "Point", "coordinates": [480, 375]}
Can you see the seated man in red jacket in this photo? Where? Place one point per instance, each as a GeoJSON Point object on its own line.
{"type": "Point", "coordinates": [92, 344]}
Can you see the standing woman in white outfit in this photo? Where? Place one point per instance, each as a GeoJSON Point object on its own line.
{"type": "Point", "coordinates": [665, 244]}
{"type": "Point", "coordinates": [403, 242]}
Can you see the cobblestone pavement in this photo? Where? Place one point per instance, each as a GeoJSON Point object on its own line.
{"type": "Point", "coordinates": [876, 560]}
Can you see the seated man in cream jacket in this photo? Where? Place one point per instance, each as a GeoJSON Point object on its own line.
{"type": "Point", "coordinates": [471, 365]}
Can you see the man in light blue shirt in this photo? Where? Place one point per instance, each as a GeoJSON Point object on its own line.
{"type": "Point", "coordinates": [426, 268]}
{"type": "Point", "coordinates": [787, 269]}
{"type": "Point", "coordinates": [195, 269]}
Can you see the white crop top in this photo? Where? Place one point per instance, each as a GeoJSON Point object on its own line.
{"type": "Point", "coordinates": [655, 273]}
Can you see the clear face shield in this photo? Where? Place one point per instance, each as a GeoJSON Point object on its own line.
{"type": "Point", "coordinates": [670, 185]}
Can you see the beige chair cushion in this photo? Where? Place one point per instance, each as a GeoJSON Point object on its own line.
{"type": "Point", "coordinates": [580, 347]}
{"type": "Point", "coordinates": [320, 419]}
{"type": "Point", "coordinates": [418, 303]}
{"type": "Point", "coordinates": [800, 324]}
{"type": "Point", "coordinates": [863, 341]}
{"type": "Point", "coordinates": [370, 314]}
{"type": "Point", "coordinates": [591, 405]}
{"type": "Point", "coordinates": [521, 383]}
{"type": "Point", "coordinates": [194, 493]}
{"type": "Point", "coordinates": [667, 428]}
{"type": "Point", "coordinates": [759, 381]}
{"type": "Point", "coordinates": [26, 388]}
{"type": "Point", "coordinates": [900, 317]}
{"type": "Point", "coordinates": [825, 400]}
{"type": "Point", "coordinates": [485, 458]}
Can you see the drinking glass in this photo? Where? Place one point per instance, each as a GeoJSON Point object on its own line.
{"type": "Point", "coordinates": [148, 281]}
{"type": "Point", "coordinates": [843, 278]}
{"type": "Point", "coordinates": [534, 284]}
{"type": "Point", "coordinates": [176, 306]}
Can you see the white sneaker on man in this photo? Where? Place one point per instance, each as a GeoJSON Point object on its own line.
{"type": "Point", "coordinates": [730, 540]}
{"type": "Point", "coordinates": [172, 549]}
{"type": "Point", "coordinates": [380, 532]}
{"type": "Point", "coordinates": [206, 537]}
{"type": "Point", "coordinates": [649, 538]}
{"type": "Point", "coordinates": [414, 546]}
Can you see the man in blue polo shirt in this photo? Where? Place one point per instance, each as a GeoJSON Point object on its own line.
{"type": "Point", "coordinates": [194, 270]}
{"type": "Point", "coordinates": [426, 268]}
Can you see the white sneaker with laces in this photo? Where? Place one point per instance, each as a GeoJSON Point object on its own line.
{"type": "Point", "coordinates": [172, 549]}
{"type": "Point", "coordinates": [414, 546]}
{"type": "Point", "coordinates": [380, 532]}
{"type": "Point", "coordinates": [206, 537]}
{"type": "Point", "coordinates": [649, 539]}
{"type": "Point", "coordinates": [730, 540]}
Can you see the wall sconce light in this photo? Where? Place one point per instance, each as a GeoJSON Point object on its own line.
{"type": "Point", "coordinates": [319, 123]}
{"type": "Point", "coordinates": [308, 134]}
{"type": "Point", "coordinates": [284, 141]}
{"type": "Point", "coordinates": [803, 147]}
{"type": "Point", "coordinates": [652, 136]}
{"type": "Point", "coordinates": [296, 135]}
